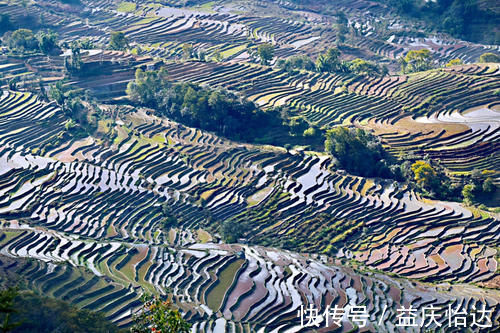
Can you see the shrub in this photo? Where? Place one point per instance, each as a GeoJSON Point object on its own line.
{"type": "Point", "coordinates": [22, 40]}
{"type": "Point", "coordinates": [416, 61]}
{"type": "Point", "coordinates": [489, 57]}
{"type": "Point", "coordinates": [266, 53]}
{"type": "Point", "coordinates": [158, 315]}
{"type": "Point", "coordinates": [118, 41]}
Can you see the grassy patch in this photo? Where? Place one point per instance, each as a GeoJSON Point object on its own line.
{"type": "Point", "coordinates": [205, 195]}
{"type": "Point", "coordinates": [233, 51]}
{"type": "Point", "coordinates": [204, 236]}
{"type": "Point", "coordinates": [478, 212]}
{"type": "Point", "coordinates": [111, 231]}
{"type": "Point", "coordinates": [146, 21]}
{"type": "Point", "coordinates": [207, 7]}
{"type": "Point", "coordinates": [8, 236]}
{"type": "Point", "coordinates": [226, 277]}
{"type": "Point", "coordinates": [158, 138]}
{"type": "Point", "coordinates": [259, 196]}
{"type": "Point", "coordinates": [126, 7]}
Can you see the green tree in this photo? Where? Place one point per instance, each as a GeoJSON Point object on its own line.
{"type": "Point", "coordinates": [83, 117]}
{"type": "Point", "coordinates": [146, 86]}
{"type": "Point", "coordinates": [402, 62]}
{"type": "Point", "coordinates": [118, 41]}
{"type": "Point", "coordinates": [468, 193]}
{"type": "Point", "coordinates": [36, 313]}
{"type": "Point", "coordinates": [310, 132]}
{"type": "Point", "coordinates": [7, 309]}
{"type": "Point", "coordinates": [403, 6]}
{"type": "Point", "coordinates": [47, 41]}
{"type": "Point", "coordinates": [266, 53]}
{"type": "Point", "coordinates": [187, 51]}
{"type": "Point", "coordinates": [295, 63]}
{"type": "Point", "coordinates": [342, 26]}
{"type": "Point", "coordinates": [454, 62]}
{"type": "Point", "coordinates": [357, 152]}
{"type": "Point", "coordinates": [298, 125]}
{"type": "Point", "coordinates": [57, 92]}
{"type": "Point", "coordinates": [232, 229]}
{"type": "Point", "coordinates": [86, 44]}
{"type": "Point", "coordinates": [489, 185]}
{"type": "Point", "coordinates": [329, 62]}
{"type": "Point", "coordinates": [417, 61]}
{"type": "Point", "coordinates": [489, 57]}
{"type": "Point", "coordinates": [425, 176]}
{"type": "Point", "coordinates": [213, 110]}
{"type": "Point", "coordinates": [158, 315]}
{"type": "Point", "coordinates": [74, 64]}
{"type": "Point", "coordinates": [22, 40]}
{"type": "Point", "coordinates": [218, 55]}
{"type": "Point", "coordinates": [169, 220]}
{"type": "Point", "coordinates": [363, 67]}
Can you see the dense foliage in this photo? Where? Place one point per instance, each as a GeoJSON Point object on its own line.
{"type": "Point", "coordinates": [358, 152]}
{"type": "Point", "coordinates": [169, 220]}
{"type": "Point", "coordinates": [118, 41]}
{"type": "Point", "coordinates": [24, 41]}
{"type": "Point", "coordinates": [158, 315]}
{"type": "Point", "coordinates": [213, 110]}
{"type": "Point", "coordinates": [296, 63]}
{"type": "Point", "coordinates": [341, 24]}
{"type": "Point", "coordinates": [82, 118]}
{"type": "Point", "coordinates": [331, 62]}
{"type": "Point", "coordinates": [416, 61]}
{"type": "Point", "coordinates": [489, 57]}
{"type": "Point", "coordinates": [266, 53]}
{"type": "Point", "coordinates": [74, 63]}
{"type": "Point", "coordinates": [233, 229]}
{"type": "Point", "coordinates": [27, 312]}
{"type": "Point", "coordinates": [430, 179]}
{"type": "Point", "coordinates": [363, 67]}
{"type": "Point", "coordinates": [47, 42]}
{"type": "Point", "coordinates": [474, 20]}
{"type": "Point", "coordinates": [480, 187]}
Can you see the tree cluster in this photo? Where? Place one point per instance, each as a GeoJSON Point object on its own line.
{"type": "Point", "coordinates": [266, 53]}
{"type": "Point", "coordinates": [480, 186]}
{"type": "Point", "coordinates": [24, 41]}
{"type": "Point", "coordinates": [118, 41]}
{"type": "Point", "coordinates": [24, 311]}
{"type": "Point", "coordinates": [213, 110]}
{"type": "Point", "coordinates": [469, 19]}
{"type": "Point", "coordinates": [188, 52]}
{"type": "Point", "coordinates": [296, 63]}
{"type": "Point", "coordinates": [342, 26]}
{"type": "Point", "coordinates": [82, 117]}
{"type": "Point", "coordinates": [358, 152]}
{"type": "Point", "coordinates": [233, 229]}
{"type": "Point", "coordinates": [169, 220]}
{"type": "Point", "coordinates": [159, 315]}
{"type": "Point", "coordinates": [331, 62]}
{"type": "Point", "coordinates": [416, 61]}
{"type": "Point", "coordinates": [430, 178]}
{"type": "Point", "coordinates": [489, 57]}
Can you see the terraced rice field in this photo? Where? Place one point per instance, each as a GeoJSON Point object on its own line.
{"type": "Point", "coordinates": [81, 219]}
{"type": "Point", "coordinates": [100, 208]}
